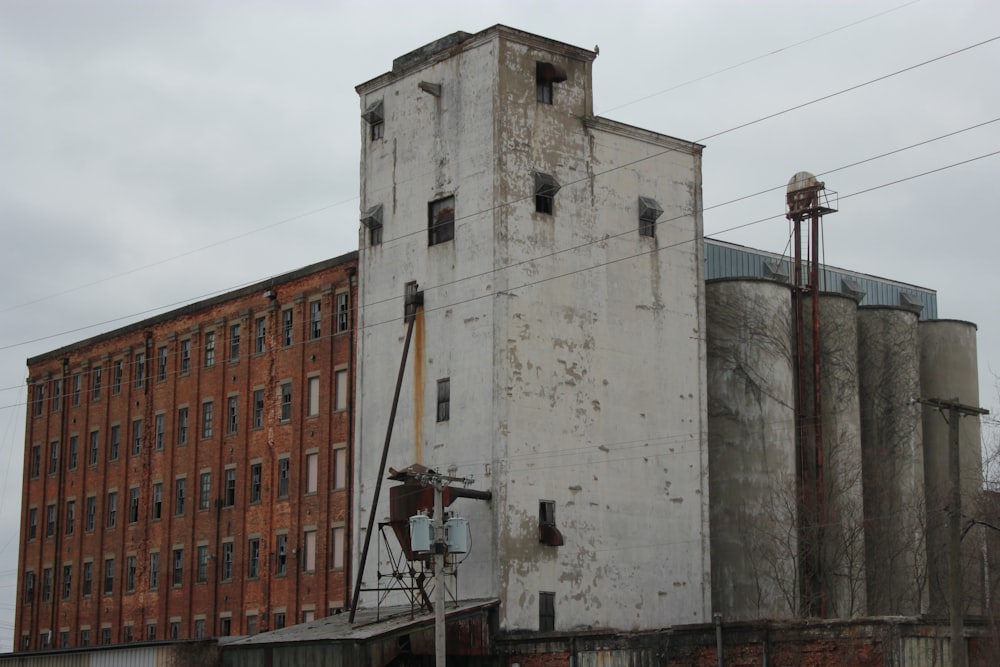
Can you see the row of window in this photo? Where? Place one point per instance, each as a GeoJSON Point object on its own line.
{"type": "Point", "coordinates": [151, 632]}
{"type": "Point", "coordinates": [139, 365]}
{"type": "Point", "coordinates": [284, 398]}
{"type": "Point", "coordinates": [256, 560]}
{"type": "Point", "coordinates": [181, 494]}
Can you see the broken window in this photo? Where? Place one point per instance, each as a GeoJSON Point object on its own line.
{"type": "Point", "coordinates": [372, 219]}
{"type": "Point", "coordinates": [546, 188]}
{"type": "Point", "coordinates": [649, 211]}
{"type": "Point", "coordinates": [374, 115]}
{"type": "Point", "coordinates": [441, 221]}
{"type": "Point", "coordinates": [444, 399]}
{"type": "Point", "coordinates": [545, 75]}
{"type": "Point", "coordinates": [547, 532]}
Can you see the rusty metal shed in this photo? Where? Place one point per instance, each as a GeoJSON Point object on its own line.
{"type": "Point", "coordinates": [390, 636]}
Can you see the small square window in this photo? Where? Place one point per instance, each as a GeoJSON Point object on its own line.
{"type": "Point", "coordinates": [546, 188]}
{"type": "Point", "coordinates": [441, 221]}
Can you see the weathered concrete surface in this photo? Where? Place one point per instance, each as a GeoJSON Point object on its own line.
{"type": "Point", "coordinates": [574, 346]}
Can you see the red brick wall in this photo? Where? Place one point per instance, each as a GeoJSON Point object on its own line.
{"type": "Point", "coordinates": [239, 377]}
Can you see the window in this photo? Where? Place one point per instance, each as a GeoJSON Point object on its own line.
{"type": "Point", "coordinates": [546, 188]}
{"type": "Point", "coordinates": [255, 482]}
{"type": "Point", "coordinates": [130, 568]}
{"type": "Point", "coordinates": [36, 460]}
{"type": "Point", "coordinates": [157, 500]}
{"type": "Point", "coordinates": [95, 383]}
{"type": "Point", "coordinates": [158, 423]}
{"type": "Point", "coordinates": [281, 554]}
{"type": "Point", "coordinates": [105, 636]}
{"type": "Point", "coordinates": [315, 319]}
{"type": "Point", "coordinates": [340, 378]}
{"type": "Point", "coordinates": [283, 465]}
{"type": "Point", "coordinates": [343, 312]}
{"type": "Point", "coordinates": [309, 552]}
{"type": "Point", "coordinates": [547, 531]}
{"type": "Point", "coordinates": [136, 437]}
{"type": "Point", "coordinates": [199, 628]}
{"type": "Point", "coordinates": [112, 509]}
{"type": "Point", "coordinates": [251, 624]}
{"type": "Point", "coordinates": [258, 408]}
{"type": "Point", "coordinates": [233, 414]}
{"type": "Point", "coordinates": [94, 447]}
{"type": "Point", "coordinates": [313, 398]}
{"type": "Point", "coordinates": [133, 505]}
{"type": "Point", "coordinates": [47, 584]}
{"type": "Point", "coordinates": [70, 517]}
{"type": "Point", "coordinates": [279, 620]}
{"type": "Point", "coordinates": [45, 639]}
{"type": "Point", "coordinates": [180, 491]}
{"type": "Point", "coordinates": [286, 401]}
{"type": "Point", "coordinates": [230, 498]}
{"type": "Point", "coordinates": [88, 578]}
{"type": "Point", "coordinates": [91, 514]}
{"type": "Point", "coordinates": [29, 587]}
{"type": "Point", "coordinates": [546, 611]}
{"type": "Point", "coordinates": [53, 457]}
{"type": "Point", "coordinates": [372, 220]}
{"type": "Point", "coordinates": [253, 558]}
{"type": "Point", "coordinates": [312, 472]}
{"type": "Point", "coordinates": [443, 399]}
{"type": "Point", "coordinates": [161, 363]}
{"type": "Point", "coordinates": [57, 386]}
{"type": "Point", "coordinates": [234, 342]}
{"type": "Point", "coordinates": [39, 400]}
{"type": "Point", "coordinates": [50, 520]}
{"type": "Point", "coordinates": [77, 388]}
{"type": "Point", "coordinates": [337, 548]}
{"type": "Point", "coordinates": [287, 322]}
{"type": "Point", "coordinates": [209, 349]}
{"type": "Point", "coordinates": [151, 631]}
{"type": "Point", "coordinates": [441, 221]}
{"type": "Point", "coordinates": [205, 491]}
{"type": "Point", "coordinates": [308, 615]}
{"type": "Point", "coordinates": [175, 629]}
{"type": "Point", "coordinates": [545, 75]}
{"type": "Point", "coordinates": [178, 567]}
{"type": "Point", "coordinates": [182, 425]}
{"type": "Point", "coordinates": [154, 570]}
{"type": "Point", "coordinates": [649, 211]}
{"type": "Point", "coordinates": [116, 380]}
{"type": "Point", "coordinates": [260, 335]}
{"type": "Point", "coordinates": [185, 356]}
{"type": "Point", "coordinates": [340, 468]}
{"type": "Point", "coordinates": [129, 634]}
{"type": "Point", "coordinates": [64, 639]}
{"type": "Point", "coordinates": [201, 575]}
{"type": "Point", "coordinates": [85, 637]}
{"type": "Point", "coordinates": [32, 523]}
{"type": "Point", "coordinates": [227, 561]}
{"type": "Point", "coordinates": [140, 369]}
{"type": "Point", "coordinates": [109, 576]}
{"type": "Point", "coordinates": [206, 419]}
{"type": "Point", "coordinates": [116, 442]}
{"type": "Point", "coordinates": [225, 626]}
{"type": "Point", "coordinates": [374, 115]}
{"type": "Point", "coordinates": [67, 581]}
{"type": "Point", "coordinates": [74, 451]}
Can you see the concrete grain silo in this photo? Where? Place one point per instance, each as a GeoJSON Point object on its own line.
{"type": "Point", "coordinates": [949, 371]}
{"type": "Point", "coordinates": [751, 436]}
{"type": "Point", "coordinates": [892, 461]}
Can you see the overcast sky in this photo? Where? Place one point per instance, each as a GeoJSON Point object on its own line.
{"type": "Point", "coordinates": [154, 153]}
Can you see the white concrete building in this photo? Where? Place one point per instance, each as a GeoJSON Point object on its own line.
{"type": "Point", "coordinates": [559, 356]}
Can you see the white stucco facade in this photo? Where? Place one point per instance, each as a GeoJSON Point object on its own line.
{"type": "Point", "coordinates": [573, 344]}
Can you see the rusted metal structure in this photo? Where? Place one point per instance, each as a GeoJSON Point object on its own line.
{"type": "Point", "coordinates": [808, 200]}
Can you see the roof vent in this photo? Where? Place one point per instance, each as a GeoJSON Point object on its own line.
{"type": "Point", "coordinates": [910, 302]}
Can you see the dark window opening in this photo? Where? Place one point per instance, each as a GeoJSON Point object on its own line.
{"type": "Point", "coordinates": [546, 611]}
{"type": "Point", "coordinates": [545, 75]}
{"type": "Point", "coordinates": [443, 399]}
{"type": "Point", "coordinates": [546, 188]}
{"type": "Point", "coordinates": [441, 221]}
{"type": "Point", "coordinates": [372, 219]}
{"type": "Point", "coordinates": [547, 532]}
{"type": "Point", "coordinates": [649, 211]}
{"type": "Point", "coordinates": [374, 115]}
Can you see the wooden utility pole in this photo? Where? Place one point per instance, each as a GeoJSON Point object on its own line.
{"type": "Point", "coordinates": [955, 411]}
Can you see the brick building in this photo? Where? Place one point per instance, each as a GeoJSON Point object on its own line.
{"type": "Point", "coordinates": [188, 475]}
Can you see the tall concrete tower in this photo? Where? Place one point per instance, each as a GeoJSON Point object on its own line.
{"type": "Point", "coordinates": [559, 354]}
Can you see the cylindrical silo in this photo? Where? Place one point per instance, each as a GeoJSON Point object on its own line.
{"type": "Point", "coordinates": [892, 461]}
{"type": "Point", "coordinates": [841, 511]}
{"type": "Point", "coordinates": [949, 370]}
{"type": "Point", "coordinates": [751, 436]}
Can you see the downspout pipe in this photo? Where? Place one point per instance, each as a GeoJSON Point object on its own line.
{"type": "Point", "coordinates": [720, 657]}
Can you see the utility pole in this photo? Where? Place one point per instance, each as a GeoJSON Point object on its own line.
{"type": "Point", "coordinates": [955, 411]}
